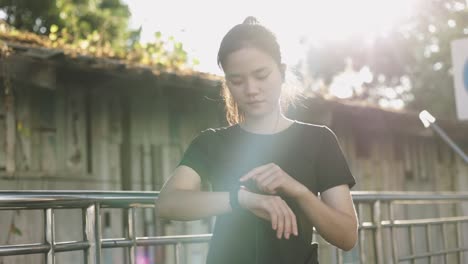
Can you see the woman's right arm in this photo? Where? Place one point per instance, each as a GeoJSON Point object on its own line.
{"type": "Point", "coordinates": [181, 198]}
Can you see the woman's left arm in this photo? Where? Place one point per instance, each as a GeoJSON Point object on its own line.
{"type": "Point", "coordinates": [333, 215]}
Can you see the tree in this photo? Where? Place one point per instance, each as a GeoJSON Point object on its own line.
{"type": "Point", "coordinates": [93, 27]}
{"type": "Point", "coordinates": [413, 59]}
{"type": "Point", "coordinates": [32, 16]}
{"type": "Point", "coordinates": [75, 19]}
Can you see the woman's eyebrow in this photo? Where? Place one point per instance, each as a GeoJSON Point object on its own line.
{"type": "Point", "coordinates": [256, 71]}
{"type": "Point", "coordinates": [233, 75]}
{"type": "Point", "coordinates": [260, 70]}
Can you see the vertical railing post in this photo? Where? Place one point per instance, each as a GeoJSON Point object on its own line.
{"type": "Point", "coordinates": [459, 243]}
{"type": "Point", "coordinates": [85, 236]}
{"type": "Point", "coordinates": [429, 241]}
{"type": "Point", "coordinates": [412, 242]}
{"type": "Point", "coordinates": [132, 233]}
{"type": "Point", "coordinates": [362, 241]}
{"type": "Point", "coordinates": [92, 234]}
{"type": "Point", "coordinates": [178, 249]}
{"type": "Point", "coordinates": [378, 232]}
{"type": "Point", "coordinates": [393, 233]}
{"type": "Point", "coordinates": [445, 242]}
{"type": "Point", "coordinates": [339, 255]}
{"type": "Point", "coordinates": [49, 234]}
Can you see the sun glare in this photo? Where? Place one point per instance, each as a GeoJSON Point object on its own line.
{"type": "Point", "coordinates": [349, 82]}
{"type": "Point", "coordinates": [338, 20]}
{"type": "Point", "coordinates": [335, 20]}
{"type": "Point", "coordinates": [314, 21]}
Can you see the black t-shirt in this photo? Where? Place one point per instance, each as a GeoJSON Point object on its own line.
{"type": "Point", "coordinates": [309, 153]}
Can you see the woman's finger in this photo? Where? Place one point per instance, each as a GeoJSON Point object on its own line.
{"type": "Point", "coordinates": [282, 221]}
{"type": "Point", "coordinates": [266, 175]}
{"type": "Point", "coordinates": [287, 219]}
{"type": "Point", "coordinates": [274, 212]}
{"type": "Point", "coordinates": [274, 209]}
{"type": "Point", "coordinates": [266, 187]}
{"type": "Point", "coordinates": [293, 221]}
{"type": "Point", "coordinates": [254, 172]}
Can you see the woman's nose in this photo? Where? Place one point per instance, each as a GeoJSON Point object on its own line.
{"type": "Point", "coordinates": [251, 87]}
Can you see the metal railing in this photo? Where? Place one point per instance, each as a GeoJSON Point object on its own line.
{"type": "Point", "coordinates": [390, 213]}
{"type": "Point", "coordinates": [382, 219]}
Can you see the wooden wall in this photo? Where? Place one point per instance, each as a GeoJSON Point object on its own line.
{"type": "Point", "coordinates": [73, 138]}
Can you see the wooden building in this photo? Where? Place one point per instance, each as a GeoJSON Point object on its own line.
{"type": "Point", "coordinates": [84, 123]}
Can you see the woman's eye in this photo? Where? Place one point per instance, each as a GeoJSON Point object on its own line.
{"type": "Point", "coordinates": [263, 76]}
{"type": "Point", "coordinates": [235, 81]}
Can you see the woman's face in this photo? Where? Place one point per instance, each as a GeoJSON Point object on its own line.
{"type": "Point", "coordinates": [254, 80]}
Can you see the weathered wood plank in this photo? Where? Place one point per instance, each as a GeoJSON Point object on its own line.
{"type": "Point", "coordinates": [61, 109]}
{"type": "Point", "coordinates": [10, 124]}
{"type": "Point", "coordinates": [2, 128]}
{"type": "Point", "coordinates": [76, 131]}
{"type": "Point", "coordinates": [24, 129]}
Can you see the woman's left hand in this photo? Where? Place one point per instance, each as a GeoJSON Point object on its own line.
{"type": "Point", "coordinates": [271, 179]}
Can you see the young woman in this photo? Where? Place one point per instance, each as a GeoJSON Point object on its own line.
{"type": "Point", "coordinates": [266, 170]}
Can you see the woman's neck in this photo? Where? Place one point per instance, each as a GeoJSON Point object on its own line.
{"type": "Point", "coordinates": [269, 124]}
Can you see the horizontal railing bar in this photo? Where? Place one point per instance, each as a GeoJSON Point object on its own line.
{"type": "Point", "coordinates": [405, 223]}
{"type": "Point", "coordinates": [364, 196]}
{"type": "Point", "coordinates": [15, 200]}
{"type": "Point", "coordinates": [24, 249]}
{"type": "Point", "coordinates": [143, 241]}
{"type": "Point", "coordinates": [71, 246]}
{"type": "Point", "coordinates": [76, 205]}
{"type": "Point", "coordinates": [368, 227]}
{"type": "Point", "coordinates": [120, 199]}
{"type": "Point", "coordinates": [436, 253]}
{"type": "Point", "coordinates": [428, 202]}
{"type": "Point", "coordinates": [116, 243]}
{"type": "Point", "coordinates": [155, 241]}
{"type": "Point", "coordinates": [82, 193]}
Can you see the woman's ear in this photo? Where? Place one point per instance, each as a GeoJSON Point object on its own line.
{"type": "Point", "coordinates": [283, 71]}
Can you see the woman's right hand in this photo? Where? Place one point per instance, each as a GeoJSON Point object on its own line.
{"type": "Point", "coordinates": [272, 208]}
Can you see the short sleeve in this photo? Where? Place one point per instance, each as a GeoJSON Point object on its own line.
{"type": "Point", "coordinates": [332, 168]}
{"type": "Point", "coordinates": [197, 155]}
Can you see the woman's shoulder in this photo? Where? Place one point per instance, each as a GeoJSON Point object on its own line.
{"type": "Point", "coordinates": [315, 132]}
{"type": "Point", "coordinates": [216, 132]}
{"type": "Point", "coordinates": [312, 127]}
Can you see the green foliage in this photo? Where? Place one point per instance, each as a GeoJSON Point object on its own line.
{"type": "Point", "coordinates": [15, 230]}
{"type": "Point", "coordinates": [160, 52]}
{"type": "Point", "coordinates": [77, 19]}
{"type": "Point", "coordinates": [34, 16]}
{"type": "Point", "coordinates": [91, 27]}
{"type": "Point", "coordinates": [417, 50]}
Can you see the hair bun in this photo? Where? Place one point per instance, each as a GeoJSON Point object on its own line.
{"type": "Point", "coordinates": [250, 20]}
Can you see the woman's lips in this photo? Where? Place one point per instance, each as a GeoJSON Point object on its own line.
{"type": "Point", "coordinates": [255, 102]}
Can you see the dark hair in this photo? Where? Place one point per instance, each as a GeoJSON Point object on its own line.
{"type": "Point", "coordinates": [248, 34]}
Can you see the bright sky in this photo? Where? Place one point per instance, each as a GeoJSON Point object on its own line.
{"type": "Point", "coordinates": [200, 25]}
